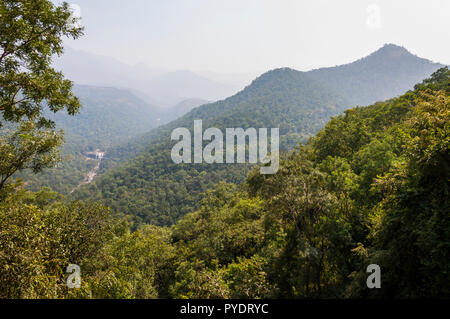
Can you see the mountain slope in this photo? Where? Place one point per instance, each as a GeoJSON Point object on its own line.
{"type": "Point", "coordinates": [373, 182]}
{"type": "Point", "coordinates": [108, 116]}
{"type": "Point", "coordinates": [164, 87]}
{"type": "Point", "coordinates": [180, 85]}
{"type": "Point", "coordinates": [154, 190]}
{"type": "Point", "coordinates": [386, 73]}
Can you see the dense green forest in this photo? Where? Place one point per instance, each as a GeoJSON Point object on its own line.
{"type": "Point", "coordinates": [371, 187]}
{"type": "Point", "coordinates": [386, 73]}
{"type": "Point", "coordinates": [152, 189]}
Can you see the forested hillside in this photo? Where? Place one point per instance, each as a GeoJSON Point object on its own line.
{"type": "Point", "coordinates": [150, 187]}
{"type": "Point", "coordinates": [386, 73]}
{"type": "Point", "coordinates": [371, 187]}
{"type": "Point", "coordinates": [108, 116]}
{"type": "Point", "coordinates": [153, 189]}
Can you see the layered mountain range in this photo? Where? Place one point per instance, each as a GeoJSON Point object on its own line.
{"type": "Point", "coordinates": [152, 189]}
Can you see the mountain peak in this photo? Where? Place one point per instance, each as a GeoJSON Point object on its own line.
{"type": "Point", "coordinates": [385, 73]}
{"type": "Point", "coordinates": [276, 75]}
{"type": "Point", "coordinates": [392, 51]}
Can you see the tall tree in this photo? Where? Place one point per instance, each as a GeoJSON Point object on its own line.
{"type": "Point", "coordinates": [31, 33]}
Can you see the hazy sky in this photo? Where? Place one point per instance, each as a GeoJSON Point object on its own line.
{"type": "Point", "coordinates": [240, 36]}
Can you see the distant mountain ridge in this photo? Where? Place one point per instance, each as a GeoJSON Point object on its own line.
{"type": "Point", "coordinates": [173, 112]}
{"type": "Point", "coordinates": [362, 82]}
{"type": "Point", "coordinates": [164, 88]}
{"type": "Point", "coordinates": [386, 73]}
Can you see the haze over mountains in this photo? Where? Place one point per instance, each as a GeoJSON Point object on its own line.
{"type": "Point", "coordinates": [224, 150]}
{"type": "Point", "coordinates": [181, 108]}
{"type": "Point", "coordinates": [149, 186]}
{"type": "Point", "coordinates": [159, 87]}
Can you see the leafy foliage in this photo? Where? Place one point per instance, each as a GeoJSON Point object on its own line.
{"type": "Point", "coordinates": [31, 32]}
{"type": "Point", "coordinates": [308, 231]}
{"type": "Point", "coordinates": [371, 187]}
